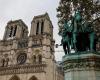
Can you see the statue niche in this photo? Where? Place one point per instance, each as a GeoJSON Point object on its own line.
{"type": "Point", "coordinates": [79, 36]}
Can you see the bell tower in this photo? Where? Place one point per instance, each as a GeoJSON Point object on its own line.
{"type": "Point", "coordinates": [15, 29]}
{"type": "Point", "coordinates": [41, 25]}
{"type": "Point", "coordinates": [42, 31]}
{"type": "Point", "coordinates": [41, 42]}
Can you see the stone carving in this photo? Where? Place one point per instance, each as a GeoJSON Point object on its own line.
{"type": "Point", "coordinates": [23, 43]}
{"type": "Point", "coordinates": [17, 69]}
{"type": "Point", "coordinates": [82, 64]}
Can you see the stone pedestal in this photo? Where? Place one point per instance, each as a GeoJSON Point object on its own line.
{"type": "Point", "coordinates": [82, 66]}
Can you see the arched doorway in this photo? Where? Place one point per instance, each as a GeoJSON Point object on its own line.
{"type": "Point", "coordinates": [33, 78]}
{"type": "Point", "coordinates": [15, 78]}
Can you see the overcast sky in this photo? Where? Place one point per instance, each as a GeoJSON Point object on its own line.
{"type": "Point", "coordinates": [26, 10]}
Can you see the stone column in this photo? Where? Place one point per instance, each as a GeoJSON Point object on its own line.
{"type": "Point", "coordinates": [5, 34]}
{"type": "Point", "coordinates": [33, 28]}
{"type": "Point", "coordinates": [40, 27]}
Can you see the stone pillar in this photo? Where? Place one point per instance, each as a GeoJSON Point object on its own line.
{"type": "Point", "coordinates": [40, 27]}
{"type": "Point", "coordinates": [33, 28]}
{"type": "Point", "coordinates": [29, 55]}
{"type": "Point", "coordinates": [6, 34]}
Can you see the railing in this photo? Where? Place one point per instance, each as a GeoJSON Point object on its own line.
{"type": "Point", "coordinates": [27, 68]}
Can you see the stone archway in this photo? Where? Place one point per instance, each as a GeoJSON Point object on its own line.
{"type": "Point", "coordinates": [33, 78]}
{"type": "Point", "coordinates": [14, 78]}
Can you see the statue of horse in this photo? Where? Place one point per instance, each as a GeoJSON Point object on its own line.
{"type": "Point", "coordinates": [83, 34]}
{"type": "Point", "coordinates": [78, 36]}
{"type": "Point", "coordinates": [91, 35]}
{"type": "Point", "coordinates": [69, 34]}
{"type": "Point", "coordinates": [76, 24]}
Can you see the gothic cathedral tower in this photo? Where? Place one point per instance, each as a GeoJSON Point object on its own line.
{"type": "Point", "coordinates": [24, 57]}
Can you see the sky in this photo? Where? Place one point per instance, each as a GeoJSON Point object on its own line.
{"type": "Point", "coordinates": [26, 10]}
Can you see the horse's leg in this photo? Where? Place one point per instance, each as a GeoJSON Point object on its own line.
{"type": "Point", "coordinates": [92, 41]}
{"type": "Point", "coordinates": [64, 48]}
{"type": "Point", "coordinates": [72, 46]}
{"type": "Point", "coordinates": [74, 41]}
{"type": "Point", "coordinates": [68, 47]}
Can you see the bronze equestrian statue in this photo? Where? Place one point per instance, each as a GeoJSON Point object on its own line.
{"type": "Point", "coordinates": [78, 36]}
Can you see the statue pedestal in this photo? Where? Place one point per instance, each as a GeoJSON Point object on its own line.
{"type": "Point", "coordinates": [82, 66]}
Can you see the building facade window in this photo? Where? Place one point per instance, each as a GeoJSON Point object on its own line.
{"type": "Point", "coordinates": [11, 30]}
{"type": "Point", "coordinates": [5, 62]}
{"type": "Point", "coordinates": [42, 27]}
{"type": "Point", "coordinates": [23, 33]}
{"type": "Point", "coordinates": [40, 58]}
{"type": "Point", "coordinates": [34, 59]}
{"type": "Point", "coordinates": [15, 29]}
{"type": "Point", "coordinates": [35, 41]}
{"type": "Point", "coordinates": [37, 28]}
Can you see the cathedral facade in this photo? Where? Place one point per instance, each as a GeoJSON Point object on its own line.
{"type": "Point", "coordinates": [29, 57]}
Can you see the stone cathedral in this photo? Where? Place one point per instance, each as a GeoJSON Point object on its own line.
{"type": "Point", "coordinates": [29, 57]}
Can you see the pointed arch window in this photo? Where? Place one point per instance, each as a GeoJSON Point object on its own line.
{"type": "Point", "coordinates": [42, 27]}
{"type": "Point", "coordinates": [40, 58]}
{"type": "Point", "coordinates": [6, 62]}
{"type": "Point", "coordinates": [23, 33]}
{"type": "Point", "coordinates": [11, 30]}
{"type": "Point", "coordinates": [34, 59]}
{"type": "Point", "coordinates": [37, 28]}
{"type": "Point", "coordinates": [3, 62]}
{"type": "Point", "coordinates": [15, 29]}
